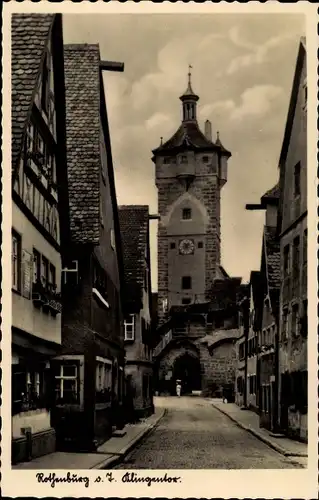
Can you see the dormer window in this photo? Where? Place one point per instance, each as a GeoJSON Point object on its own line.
{"type": "Point", "coordinates": [183, 159]}
{"type": "Point", "coordinates": [166, 161]}
{"type": "Point", "coordinates": [205, 159]}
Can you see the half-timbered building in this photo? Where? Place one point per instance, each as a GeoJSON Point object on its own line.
{"type": "Point", "coordinates": [39, 194]}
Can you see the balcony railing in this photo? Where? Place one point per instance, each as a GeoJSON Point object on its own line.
{"type": "Point", "coordinates": [45, 296]}
{"type": "Point", "coordinates": [163, 343]}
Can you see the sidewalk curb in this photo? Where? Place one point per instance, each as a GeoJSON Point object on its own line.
{"type": "Point", "coordinates": [110, 462]}
{"type": "Point", "coordinates": [257, 434]}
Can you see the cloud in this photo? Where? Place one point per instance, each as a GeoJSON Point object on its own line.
{"type": "Point", "coordinates": [157, 120]}
{"type": "Point", "coordinates": [243, 70]}
{"type": "Point", "coordinates": [219, 106]}
{"type": "Point", "coordinates": [256, 101]}
{"type": "Point", "coordinates": [235, 38]}
{"type": "Point", "coordinates": [258, 54]}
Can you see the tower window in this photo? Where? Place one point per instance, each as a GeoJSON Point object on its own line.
{"type": "Point", "coordinates": [186, 301]}
{"type": "Point", "coordinates": [187, 213]}
{"type": "Point", "coordinates": [200, 244]}
{"type": "Point", "coordinates": [186, 282]}
{"type": "Point", "coordinates": [205, 159]}
{"type": "Point", "coordinates": [184, 159]}
{"type": "Point", "coordinates": [166, 160]}
{"type": "Point", "coordinates": [173, 245]}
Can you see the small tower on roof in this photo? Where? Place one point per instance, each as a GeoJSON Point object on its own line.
{"type": "Point", "coordinates": [189, 100]}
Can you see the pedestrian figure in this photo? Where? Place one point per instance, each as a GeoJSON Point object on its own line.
{"type": "Point", "coordinates": [178, 388]}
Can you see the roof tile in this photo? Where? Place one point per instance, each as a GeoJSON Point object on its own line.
{"type": "Point", "coordinates": [134, 222]}
{"type": "Point", "coordinates": [188, 134]}
{"type": "Point", "coordinates": [273, 257]}
{"type": "Point", "coordinates": [272, 193]}
{"type": "Point", "coordinates": [82, 92]}
{"type": "Point", "coordinates": [29, 36]}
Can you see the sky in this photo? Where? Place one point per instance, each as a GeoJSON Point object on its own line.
{"type": "Point", "coordinates": [243, 67]}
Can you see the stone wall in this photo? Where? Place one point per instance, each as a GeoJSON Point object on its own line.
{"type": "Point", "coordinates": [218, 367]}
{"type": "Point", "coordinates": [205, 189]}
{"type": "Point", "coordinates": [217, 364]}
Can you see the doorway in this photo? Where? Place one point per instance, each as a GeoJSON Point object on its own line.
{"type": "Point", "coordinates": [187, 369]}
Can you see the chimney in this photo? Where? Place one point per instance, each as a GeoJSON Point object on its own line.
{"type": "Point", "coordinates": [208, 130]}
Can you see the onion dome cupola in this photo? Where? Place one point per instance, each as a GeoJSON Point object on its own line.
{"type": "Point", "coordinates": [189, 100]}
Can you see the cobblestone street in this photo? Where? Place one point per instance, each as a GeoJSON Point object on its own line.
{"type": "Point", "coordinates": [194, 435]}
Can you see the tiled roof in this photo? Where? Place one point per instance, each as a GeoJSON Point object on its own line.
{"type": "Point", "coordinates": [134, 222]}
{"type": "Point", "coordinates": [82, 90]}
{"type": "Point", "coordinates": [272, 248]}
{"type": "Point", "coordinates": [218, 143]}
{"type": "Point", "coordinates": [272, 193]}
{"type": "Point", "coordinates": [29, 34]}
{"type": "Point", "coordinates": [187, 135]}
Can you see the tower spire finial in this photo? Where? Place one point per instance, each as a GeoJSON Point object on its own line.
{"type": "Point", "coordinates": [189, 74]}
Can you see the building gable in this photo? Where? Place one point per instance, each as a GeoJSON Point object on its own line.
{"type": "Point", "coordinates": [30, 34]}
{"type": "Point", "coordinates": [38, 123]}
{"type": "Point", "coordinates": [294, 152]}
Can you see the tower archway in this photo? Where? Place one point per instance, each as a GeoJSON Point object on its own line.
{"type": "Point", "coordinates": [187, 369]}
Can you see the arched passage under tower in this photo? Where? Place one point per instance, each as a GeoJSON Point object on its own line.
{"type": "Point", "coordinates": [187, 369]}
{"type": "Point", "coordinates": [180, 361]}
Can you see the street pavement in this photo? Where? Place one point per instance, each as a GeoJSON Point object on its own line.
{"type": "Point", "coordinates": [195, 435]}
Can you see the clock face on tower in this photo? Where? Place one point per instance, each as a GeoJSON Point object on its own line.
{"type": "Point", "coordinates": [186, 247]}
